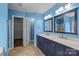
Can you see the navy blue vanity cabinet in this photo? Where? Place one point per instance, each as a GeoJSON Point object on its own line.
{"type": "Point", "coordinates": [60, 49]}
{"type": "Point", "coordinates": [40, 42]}
{"type": "Point", "coordinates": [51, 48]}
{"type": "Point", "coordinates": [47, 46]}
{"type": "Point", "coordinates": [44, 46]}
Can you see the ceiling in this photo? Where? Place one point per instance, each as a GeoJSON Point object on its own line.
{"type": "Point", "coordinates": [31, 7]}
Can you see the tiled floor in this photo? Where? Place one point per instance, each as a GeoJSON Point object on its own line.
{"type": "Point", "coordinates": [29, 50]}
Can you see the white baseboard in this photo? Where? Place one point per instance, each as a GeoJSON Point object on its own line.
{"type": "Point", "coordinates": [35, 44]}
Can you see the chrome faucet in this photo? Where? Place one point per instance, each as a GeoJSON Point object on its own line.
{"type": "Point", "coordinates": [61, 36]}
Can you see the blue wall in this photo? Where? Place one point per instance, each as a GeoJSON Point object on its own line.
{"type": "Point", "coordinates": [38, 19]}
{"type": "Point", "coordinates": [5, 12]}
{"type": "Point", "coordinates": [52, 12]}
{"type": "Point", "coordinates": [3, 27]}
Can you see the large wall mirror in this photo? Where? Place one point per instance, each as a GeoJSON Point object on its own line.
{"type": "Point", "coordinates": [48, 25]}
{"type": "Point", "coordinates": [66, 22]}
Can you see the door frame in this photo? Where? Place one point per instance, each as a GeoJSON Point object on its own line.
{"type": "Point", "coordinates": [9, 33]}
{"type": "Point", "coordinates": [13, 29]}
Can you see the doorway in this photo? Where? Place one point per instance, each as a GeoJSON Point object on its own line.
{"type": "Point", "coordinates": [18, 32]}
{"type": "Point", "coordinates": [22, 34]}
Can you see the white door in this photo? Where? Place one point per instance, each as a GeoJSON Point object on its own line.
{"type": "Point", "coordinates": [26, 31]}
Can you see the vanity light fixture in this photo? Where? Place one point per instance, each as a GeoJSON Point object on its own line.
{"type": "Point", "coordinates": [57, 12]}
{"type": "Point", "coordinates": [67, 5]}
{"type": "Point", "coordinates": [47, 16]}
{"type": "Point", "coordinates": [62, 8]}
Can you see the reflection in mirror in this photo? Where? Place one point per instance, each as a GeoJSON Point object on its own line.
{"type": "Point", "coordinates": [69, 22]}
{"type": "Point", "coordinates": [48, 25]}
{"type": "Point", "coordinates": [59, 24]}
{"type": "Point", "coordinates": [66, 22]}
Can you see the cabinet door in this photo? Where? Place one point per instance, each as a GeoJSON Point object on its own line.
{"type": "Point", "coordinates": [70, 51]}
{"type": "Point", "coordinates": [47, 46]}
{"type": "Point", "coordinates": [39, 42]}
{"type": "Point", "coordinates": [50, 47]}
{"type": "Point", "coordinates": [42, 44]}
{"type": "Point", "coordinates": [59, 49]}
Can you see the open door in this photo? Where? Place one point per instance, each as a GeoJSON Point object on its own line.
{"type": "Point", "coordinates": [26, 31]}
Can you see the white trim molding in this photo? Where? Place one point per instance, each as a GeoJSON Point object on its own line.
{"type": "Point", "coordinates": [13, 29]}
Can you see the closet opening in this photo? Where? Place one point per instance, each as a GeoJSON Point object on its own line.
{"type": "Point", "coordinates": [18, 31]}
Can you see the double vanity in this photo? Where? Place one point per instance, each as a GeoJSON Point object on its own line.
{"type": "Point", "coordinates": [52, 45]}
{"type": "Point", "coordinates": [58, 45]}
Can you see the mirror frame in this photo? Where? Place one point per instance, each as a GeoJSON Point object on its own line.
{"type": "Point", "coordinates": [51, 25]}
{"type": "Point", "coordinates": [75, 10]}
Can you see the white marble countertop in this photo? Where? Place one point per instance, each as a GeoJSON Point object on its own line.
{"type": "Point", "coordinates": [70, 43]}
